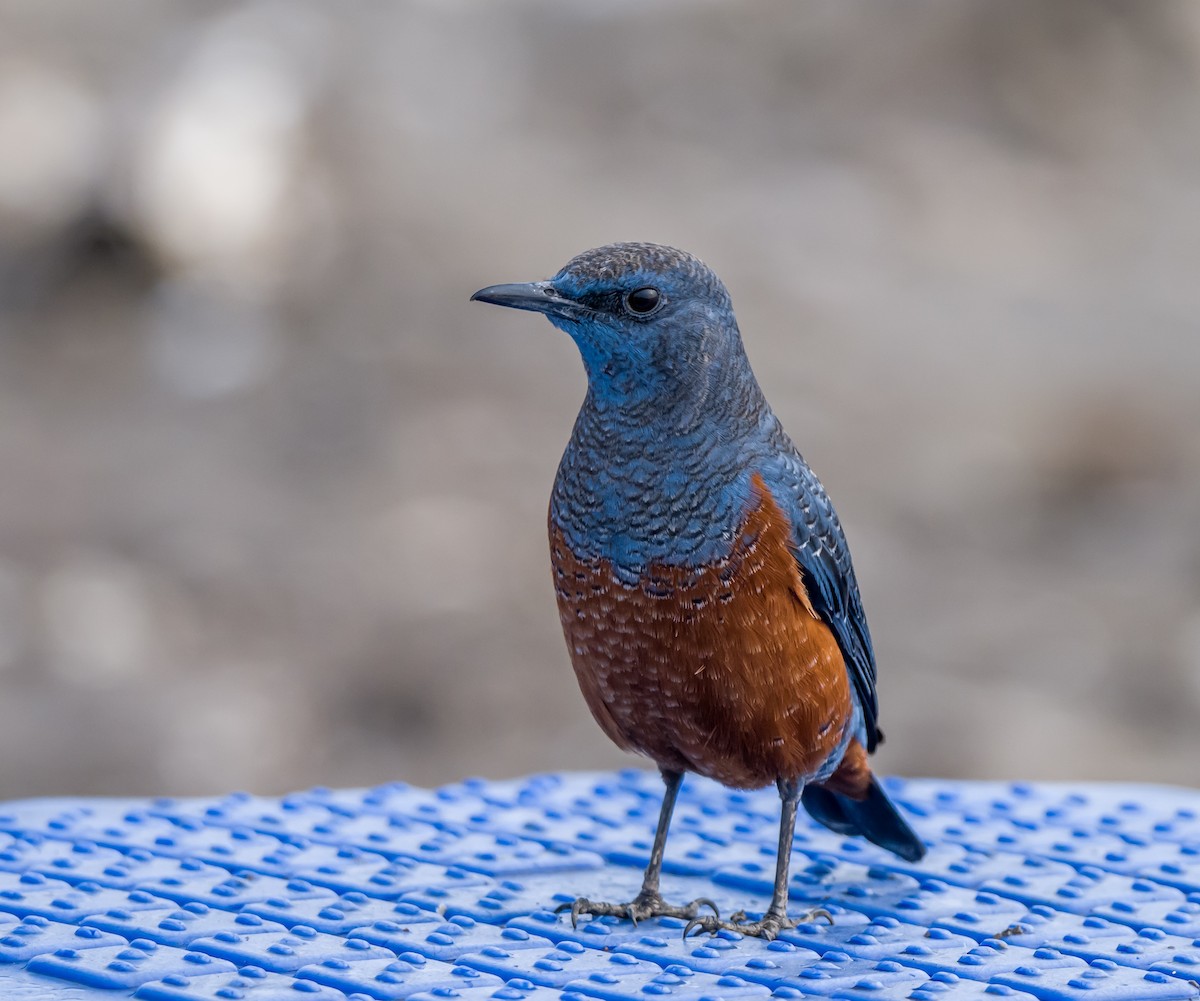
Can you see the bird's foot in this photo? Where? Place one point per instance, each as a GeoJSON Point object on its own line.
{"type": "Point", "coordinates": [644, 905]}
{"type": "Point", "coordinates": [767, 927]}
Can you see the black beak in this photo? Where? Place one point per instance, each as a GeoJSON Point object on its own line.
{"type": "Point", "coordinates": [540, 297]}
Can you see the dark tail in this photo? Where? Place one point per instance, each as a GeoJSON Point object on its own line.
{"type": "Point", "coordinates": [875, 818]}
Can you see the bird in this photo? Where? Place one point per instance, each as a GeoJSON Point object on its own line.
{"type": "Point", "coordinates": [703, 580]}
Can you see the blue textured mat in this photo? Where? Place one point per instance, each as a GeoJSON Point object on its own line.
{"type": "Point", "coordinates": [1041, 891]}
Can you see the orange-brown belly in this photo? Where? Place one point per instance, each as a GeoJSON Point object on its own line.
{"type": "Point", "coordinates": [725, 671]}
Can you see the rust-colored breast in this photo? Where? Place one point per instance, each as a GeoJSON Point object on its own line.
{"type": "Point", "coordinates": [725, 671]}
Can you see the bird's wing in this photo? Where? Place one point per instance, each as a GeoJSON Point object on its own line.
{"type": "Point", "coordinates": [824, 558]}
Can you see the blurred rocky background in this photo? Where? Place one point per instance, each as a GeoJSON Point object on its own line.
{"type": "Point", "coordinates": [272, 493]}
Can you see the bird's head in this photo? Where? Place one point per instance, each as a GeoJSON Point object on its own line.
{"type": "Point", "coordinates": [651, 322]}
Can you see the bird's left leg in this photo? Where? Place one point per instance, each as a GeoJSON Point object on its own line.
{"type": "Point", "coordinates": [649, 902]}
{"type": "Point", "coordinates": [776, 918]}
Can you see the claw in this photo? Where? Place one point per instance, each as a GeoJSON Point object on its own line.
{"type": "Point", "coordinates": [645, 905]}
{"type": "Point", "coordinates": [704, 922]}
{"type": "Point", "coordinates": [768, 927]}
{"type": "Point", "coordinates": [814, 915]}
{"type": "Point", "coordinates": [575, 907]}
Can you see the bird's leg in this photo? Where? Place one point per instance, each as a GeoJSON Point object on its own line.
{"type": "Point", "coordinates": [776, 918]}
{"type": "Point", "coordinates": [649, 902]}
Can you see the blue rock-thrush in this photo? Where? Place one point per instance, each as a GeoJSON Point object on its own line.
{"type": "Point", "coordinates": [704, 584]}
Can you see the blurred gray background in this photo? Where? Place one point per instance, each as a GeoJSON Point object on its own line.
{"type": "Point", "coordinates": [272, 493]}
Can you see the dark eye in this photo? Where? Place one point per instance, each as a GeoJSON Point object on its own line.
{"type": "Point", "coordinates": [642, 300]}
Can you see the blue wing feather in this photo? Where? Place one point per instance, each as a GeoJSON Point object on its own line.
{"type": "Point", "coordinates": [828, 573]}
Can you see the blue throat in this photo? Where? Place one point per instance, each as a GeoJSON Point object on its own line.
{"type": "Point", "coordinates": [658, 468]}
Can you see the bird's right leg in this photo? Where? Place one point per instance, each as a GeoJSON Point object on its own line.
{"type": "Point", "coordinates": [776, 918]}
{"type": "Point", "coordinates": [649, 902]}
